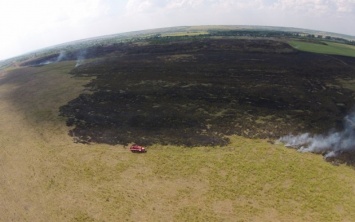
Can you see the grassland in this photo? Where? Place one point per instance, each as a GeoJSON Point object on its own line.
{"type": "Point", "coordinates": [330, 48]}
{"type": "Point", "coordinates": [46, 177]}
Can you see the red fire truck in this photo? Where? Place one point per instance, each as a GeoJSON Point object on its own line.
{"type": "Point", "coordinates": [137, 149]}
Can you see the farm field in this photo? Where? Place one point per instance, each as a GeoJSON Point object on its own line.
{"type": "Point", "coordinates": [330, 48]}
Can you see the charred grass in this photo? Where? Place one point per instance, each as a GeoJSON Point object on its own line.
{"type": "Point", "coordinates": [198, 92]}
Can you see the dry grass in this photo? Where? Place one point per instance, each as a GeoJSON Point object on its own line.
{"type": "Point", "coordinates": [46, 177]}
{"type": "Point", "coordinates": [347, 83]}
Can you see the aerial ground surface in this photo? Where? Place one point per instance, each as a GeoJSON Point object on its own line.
{"type": "Point", "coordinates": [208, 110]}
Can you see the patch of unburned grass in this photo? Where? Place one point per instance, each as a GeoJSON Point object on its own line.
{"type": "Point", "coordinates": [347, 83]}
{"type": "Point", "coordinates": [195, 214]}
{"type": "Point", "coordinates": [331, 48]}
{"type": "Point", "coordinates": [35, 88]}
{"type": "Point", "coordinates": [256, 176]}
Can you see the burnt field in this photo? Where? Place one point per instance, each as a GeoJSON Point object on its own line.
{"type": "Point", "coordinates": [198, 91]}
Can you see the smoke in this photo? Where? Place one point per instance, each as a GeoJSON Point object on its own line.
{"type": "Point", "coordinates": [45, 63]}
{"type": "Point", "coordinates": [61, 56]}
{"type": "Point", "coordinates": [80, 58]}
{"type": "Point", "coordinates": [331, 145]}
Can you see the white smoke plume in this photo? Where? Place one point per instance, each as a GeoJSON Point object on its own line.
{"type": "Point", "coordinates": [61, 56]}
{"type": "Point", "coordinates": [45, 63]}
{"type": "Point", "coordinates": [330, 145]}
{"type": "Point", "coordinates": [80, 58]}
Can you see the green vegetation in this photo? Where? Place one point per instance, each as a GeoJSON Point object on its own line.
{"type": "Point", "coordinates": [331, 48]}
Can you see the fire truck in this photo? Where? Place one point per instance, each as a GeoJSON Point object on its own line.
{"type": "Point", "coordinates": [137, 149]}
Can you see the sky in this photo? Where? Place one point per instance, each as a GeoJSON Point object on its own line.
{"type": "Point", "coordinates": [27, 25]}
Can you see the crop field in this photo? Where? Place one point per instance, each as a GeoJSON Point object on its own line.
{"type": "Point", "coordinates": [330, 48]}
{"type": "Point", "coordinates": [219, 163]}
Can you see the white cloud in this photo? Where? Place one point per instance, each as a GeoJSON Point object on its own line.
{"type": "Point", "coordinates": [347, 6]}
{"type": "Point", "coordinates": [296, 7]}
{"type": "Point", "coordinates": [138, 6]}
{"type": "Point", "coordinates": [43, 12]}
{"type": "Point", "coordinates": [316, 7]}
{"type": "Point", "coordinates": [184, 3]}
{"type": "Point", "coordinates": [241, 4]}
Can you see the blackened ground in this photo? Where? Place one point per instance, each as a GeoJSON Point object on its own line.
{"type": "Point", "coordinates": [198, 92]}
{"type": "Point", "coordinates": [342, 157]}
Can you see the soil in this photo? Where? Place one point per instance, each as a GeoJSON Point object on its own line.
{"type": "Point", "coordinates": [197, 92]}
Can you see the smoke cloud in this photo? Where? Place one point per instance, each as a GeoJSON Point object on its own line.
{"type": "Point", "coordinates": [81, 58]}
{"type": "Point", "coordinates": [332, 145]}
{"type": "Point", "coordinates": [61, 56]}
{"type": "Point", "coordinates": [45, 63]}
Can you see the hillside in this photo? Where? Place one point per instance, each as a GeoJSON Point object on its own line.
{"type": "Point", "coordinates": [209, 110]}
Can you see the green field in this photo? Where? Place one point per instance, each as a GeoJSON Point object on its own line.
{"type": "Point", "coordinates": [330, 48]}
{"type": "Point", "coordinates": [46, 177]}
